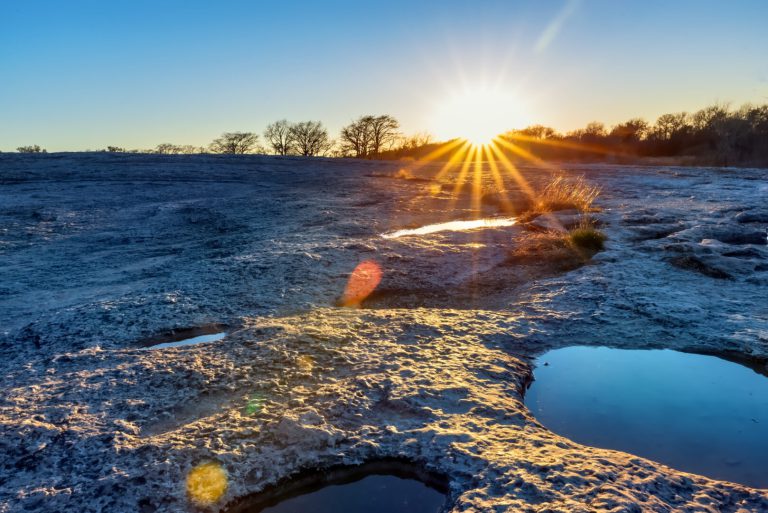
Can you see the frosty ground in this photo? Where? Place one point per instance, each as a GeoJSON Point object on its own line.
{"type": "Point", "coordinates": [101, 252]}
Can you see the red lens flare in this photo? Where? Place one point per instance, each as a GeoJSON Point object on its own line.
{"type": "Point", "coordinates": [363, 280]}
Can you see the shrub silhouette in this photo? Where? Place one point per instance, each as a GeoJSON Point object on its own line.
{"type": "Point", "coordinates": [31, 149]}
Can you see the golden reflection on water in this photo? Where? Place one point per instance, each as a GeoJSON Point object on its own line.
{"type": "Point", "coordinates": [453, 226]}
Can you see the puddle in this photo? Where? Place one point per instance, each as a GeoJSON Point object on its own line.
{"type": "Point", "coordinates": [695, 413]}
{"type": "Point", "coordinates": [185, 337]}
{"type": "Point", "coordinates": [453, 226]}
{"type": "Point", "coordinates": [377, 487]}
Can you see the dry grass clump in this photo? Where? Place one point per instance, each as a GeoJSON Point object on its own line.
{"type": "Point", "coordinates": [587, 237]}
{"type": "Point", "coordinates": [562, 193]}
{"type": "Point", "coordinates": [557, 250]}
{"type": "Point", "coordinates": [550, 249]}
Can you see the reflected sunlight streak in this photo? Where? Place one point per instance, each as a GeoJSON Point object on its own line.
{"type": "Point", "coordinates": [453, 226]}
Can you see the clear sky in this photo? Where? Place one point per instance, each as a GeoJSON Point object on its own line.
{"type": "Point", "coordinates": [83, 74]}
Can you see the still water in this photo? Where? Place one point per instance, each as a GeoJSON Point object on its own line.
{"type": "Point", "coordinates": [378, 487]}
{"type": "Point", "coordinates": [211, 337]}
{"type": "Point", "coordinates": [454, 226]}
{"type": "Point", "coordinates": [696, 413]}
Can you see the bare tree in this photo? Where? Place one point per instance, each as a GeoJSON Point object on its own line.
{"type": "Point", "coordinates": [310, 138]}
{"type": "Point", "coordinates": [384, 132]}
{"type": "Point", "coordinates": [369, 135]}
{"type": "Point", "coordinates": [190, 149]}
{"type": "Point", "coordinates": [177, 149]}
{"type": "Point", "coordinates": [539, 132]}
{"type": "Point", "coordinates": [355, 138]}
{"type": "Point", "coordinates": [168, 149]}
{"type": "Point", "coordinates": [415, 141]}
{"type": "Point", "coordinates": [235, 142]}
{"type": "Point", "coordinates": [667, 125]}
{"type": "Point", "coordinates": [630, 131]}
{"type": "Point", "coordinates": [31, 149]}
{"type": "Point", "coordinates": [278, 136]}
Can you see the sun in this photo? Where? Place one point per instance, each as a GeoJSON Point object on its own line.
{"type": "Point", "coordinates": [478, 115]}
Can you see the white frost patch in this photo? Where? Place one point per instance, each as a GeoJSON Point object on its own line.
{"type": "Point", "coordinates": [213, 337]}
{"type": "Point", "coordinates": [453, 226]}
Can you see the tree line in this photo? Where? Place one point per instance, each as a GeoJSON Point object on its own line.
{"type": "Point", "coordinates": [714, 135]}
{"type": "Point", "coordinates": [366, 137]}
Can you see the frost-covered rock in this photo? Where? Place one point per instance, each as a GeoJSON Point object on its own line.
{"type": "Point", "coordinates": [102, 251]}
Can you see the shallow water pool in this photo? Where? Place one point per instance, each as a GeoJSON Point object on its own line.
{"type": "Point", "coordinates": [200, 339]}
{"type": "Point", "coordinates": [696, 413]}
{"type": "Point", "coordinates": [378, 487]}
{"type": "Point", "coordinates": [454, 226]}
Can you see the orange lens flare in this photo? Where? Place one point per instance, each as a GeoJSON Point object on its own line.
{"type": "Point", "coordinates": [362, 282]}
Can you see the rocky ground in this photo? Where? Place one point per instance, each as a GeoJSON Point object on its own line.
{"type": "Point", "coordinates": [101, 252]}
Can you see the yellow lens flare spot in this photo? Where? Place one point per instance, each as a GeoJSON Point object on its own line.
{"type": "Point", "coordinates": [207, 483]}
{"type": "Point", "coordinates": [478, 115]}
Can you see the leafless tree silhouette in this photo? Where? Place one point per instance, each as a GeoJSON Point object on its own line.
{"type": "Point", "coordinates": [31, 149]}
{"type": "Point", "coordinates": [235, 143]}
{"type": "Point", "coordinates": [278, 136]}
{"type": "Point", "coordinates": [368, 136]}
{"type": "Point", "coordinates": [310, 138]}
{"type": "Point", "coordinates": [384, 133]}
{"type": "Point", "coordinates": [355, 138]}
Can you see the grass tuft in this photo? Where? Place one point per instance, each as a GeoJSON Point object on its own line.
{"type": "Point", "coordinates": [562, 193]}
{"type": "Point", "coordinates": [587, 238]}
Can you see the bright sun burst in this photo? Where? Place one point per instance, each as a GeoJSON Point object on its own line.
{"type": "Point", "coordinates": [478, 115]}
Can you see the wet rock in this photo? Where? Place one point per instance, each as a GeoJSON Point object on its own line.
{"type": "Point", "coordinates": [727, 234]}
{"type": "Point", "coordinates": [694, 263]}
{"type": "Point", "coordinates": [752, 216]}
{"type": "Point", "coordinates": [655, 231]}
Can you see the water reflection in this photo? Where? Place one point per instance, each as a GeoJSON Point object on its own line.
{"type": "Point", "coordinates": [377, 487]}
{"type": "Point", "coordinates": [453, 226]}
{"type": "Point", "coordinates": [696, 413]}
{"type": "Point", "coordinates": [213, 337]}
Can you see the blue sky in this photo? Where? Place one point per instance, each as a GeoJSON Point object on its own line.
{"type": "Point", "coordinates": [87, 74]}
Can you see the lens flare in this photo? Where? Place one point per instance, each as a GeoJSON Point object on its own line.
{"type": "Point", "coordinates": [207, 483]}
{"type": "Point", "coordinates": [254, 405]}
{"type": "Point", "coordinates": [363, 280]}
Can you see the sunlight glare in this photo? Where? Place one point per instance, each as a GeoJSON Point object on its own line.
{"type": "Point", "coordinates": [478, 115]}
{"type": "Point", "coordinates": [453, 226]}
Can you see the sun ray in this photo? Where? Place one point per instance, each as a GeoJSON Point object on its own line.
{"type": "Point", "coordinates": [477, 183]}
{"type": "Point", "coordinates": [588, 148]}
{"type": "Point", "coordinates": [453, 160]}
{"type": "Point", "coordinates": [513, 172]}
{"type": "Point", "coordinates": [435, 154]}
{"type": "Point", "coordinates": [514, 148]}
{"type": "Point", "coordinates": [462, 177]}
{"type": "Point", "coordinates": [498, 181]}
{"type": "Point", "coordinates": [525, 185]}
{"type": "Point", "coordinates": [440, 151]}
